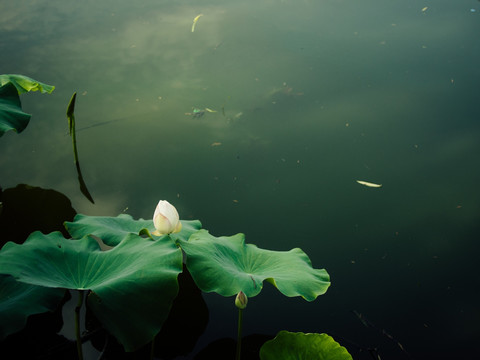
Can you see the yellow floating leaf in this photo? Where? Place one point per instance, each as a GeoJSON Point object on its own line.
{"type": "Point", "coordinates": [216, 144]}
{"type": "Point", "coordinates": [369, 184]}
{"type": "Point", "coordinates": [195, 21]}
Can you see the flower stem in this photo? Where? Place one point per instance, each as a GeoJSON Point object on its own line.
{"type": "Point", "coordinates": [77, 324]}
{"type": "Point", "coordinates": [239, 334]}
{"type": "Point", "coordinates": [152, 348]}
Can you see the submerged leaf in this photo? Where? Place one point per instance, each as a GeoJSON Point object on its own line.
{"type": "Point", "coordinates": [226, 265]}
{"type": "Point", "coordinates": [113, 229]}
{"type": "Point", "coordinates": [132, 286]}
{"type": "Point", "coordinates": [300, 346]}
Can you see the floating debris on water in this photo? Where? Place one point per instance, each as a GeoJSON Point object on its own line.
{"type": "Point", "coordinates": [197, 113]}
{"type": "Point", "coordinates": [369, 184]}
{"type": "Point", "coordinates": [195, 21]}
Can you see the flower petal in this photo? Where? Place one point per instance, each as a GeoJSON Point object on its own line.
{"type": "Point", "coordinates": [166, 219]}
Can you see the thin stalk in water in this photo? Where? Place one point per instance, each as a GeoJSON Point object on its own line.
{"type": "Point", "coordinates": [239, 335]}
{"type": "Point", "coordinates": [152, 348]}
{"type": "Point", "coordinates": [71, 127]}
{"type": "Point", "coordinates": [77, 324]}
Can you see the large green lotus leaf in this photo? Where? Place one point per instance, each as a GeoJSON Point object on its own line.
{"type": "Point", "coordinates": [19, 300]}
{"type": "Point", "coordinates": [11, 115]}
{"type": "Point", "coordinates": [25, 84]}
{"type": "Point", "coordinates": [132, 286]}
{"type": "Point", "coordinates": [113, 229]}
{"type": "Point", "coordinates": [226, 265]}
{"type": "Point", "coordinates": [300, 346]}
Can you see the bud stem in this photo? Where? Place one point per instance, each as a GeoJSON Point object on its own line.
{"type": "Point", "coordinates": [239, 334]}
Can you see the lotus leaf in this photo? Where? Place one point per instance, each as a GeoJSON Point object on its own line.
{"type": "Point", "coordinates": [131, 286]}
{"type": "Point", "coordinates": [226, 265]}
{"type": "Point", "coordinates": [113, 229]}
{"type": "Point", "coordinates": [19, 300]}
{"type": "Point", "coordinates": [25, 84]}
{"type": "Point", "coordinates": [11, 115]}
{"type": "Point", "coordinates": [300, 346]}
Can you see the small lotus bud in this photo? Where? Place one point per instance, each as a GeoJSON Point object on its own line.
{"type": "Point", "coordinates": [241, 300]}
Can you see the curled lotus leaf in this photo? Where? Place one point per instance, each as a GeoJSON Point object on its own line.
{"type": "Point", "coordinates": [24, 84]}
{"type": "Point", "coordinates": [12, 116]}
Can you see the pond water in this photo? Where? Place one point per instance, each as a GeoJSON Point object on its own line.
{"type": "Point", "coordinates": [306, 97]}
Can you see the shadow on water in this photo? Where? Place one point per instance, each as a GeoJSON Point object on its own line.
{"type": "Point", "coordinates": [25, 209]}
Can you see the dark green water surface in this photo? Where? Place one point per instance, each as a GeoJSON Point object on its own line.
{"type": "Point", "coordinates": [311, 95]}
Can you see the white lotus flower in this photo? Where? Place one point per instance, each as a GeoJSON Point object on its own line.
{"type": "Point", "coordinates": [166, 219]}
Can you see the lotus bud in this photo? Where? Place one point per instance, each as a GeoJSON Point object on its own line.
{"type": "Point", "coordinates": [241, 300]}
{"type": "Point", "coordinates": [166, 219]}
